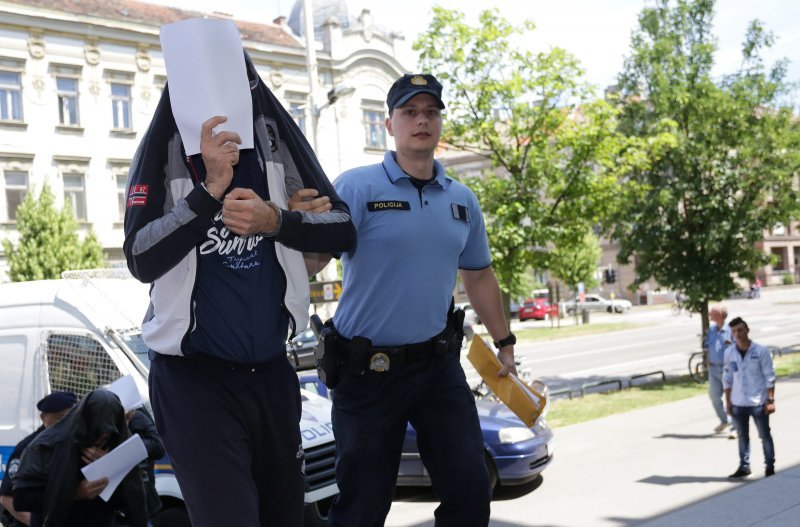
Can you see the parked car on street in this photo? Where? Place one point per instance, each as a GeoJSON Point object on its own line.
{"type": "Point", "coordinates": [537, 309]}
{"type": "Point", "coordinates": [596, 303]}
{"type": "Point", "coordinates": [515, 454]}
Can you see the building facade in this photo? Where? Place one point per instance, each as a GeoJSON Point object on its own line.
{"type": "Point", "coordinates": [80, 80]}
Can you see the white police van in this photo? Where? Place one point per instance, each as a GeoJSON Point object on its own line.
{"type": "Point", "coordinates": [82, 332]}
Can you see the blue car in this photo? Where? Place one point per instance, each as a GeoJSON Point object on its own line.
{"type": "Point", "coordinates": [515, 454]}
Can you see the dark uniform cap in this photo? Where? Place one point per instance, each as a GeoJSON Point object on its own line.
{"type": "Point", "coordinates": [412, 84]}
{"type": "Point", "coordinates": [57, 401]}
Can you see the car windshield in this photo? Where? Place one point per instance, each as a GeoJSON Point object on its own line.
{"type": "Point", "coordinates": [133, 340]}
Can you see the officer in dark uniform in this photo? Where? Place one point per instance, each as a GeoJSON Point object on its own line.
{"type": "Point", "coordinates": [398, 338]}
{"type": "Point", "coordinates": [52, 408]}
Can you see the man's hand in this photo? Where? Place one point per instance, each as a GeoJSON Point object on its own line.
{"type": "Point", "coordinates": [89, 490]}
{"type": "Point", "coordinates": [305, 200]}
{"type": "Point", "coordinates": [92, 453]}
{"type": "Point", "coordinates": [245, 213]}
{"type": "Point", "coordinates": [769, 408]}
{"type": "Point", "coordinates": [506, 356]}
{"type": "Point", "coordinates": [220, 154]}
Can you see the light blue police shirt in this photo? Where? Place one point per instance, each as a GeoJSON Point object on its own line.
{"type": "Point", "coordinates": [717, 340]}
{"type": "Point", "coordinates": [748, 377]}
{"type": "Point", "coordinates": [399, 279]}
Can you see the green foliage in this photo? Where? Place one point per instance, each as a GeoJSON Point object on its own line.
{"type": "Point", "coordinates": [788, 279]}
{"type": "Point", "coordinates": [49, 243]}
{"type": "Point", "coordinates": [692, 218]}
{"type": "Point", "coordinates": [577, 263]}
{"type": "Point", "coordinates": [555, 155]}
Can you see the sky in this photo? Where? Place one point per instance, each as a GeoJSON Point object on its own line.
{"type": "Point", "coordinates": [597, 32]}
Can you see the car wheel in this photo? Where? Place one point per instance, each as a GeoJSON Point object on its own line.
{"type": "Point", "coordinates": [619, 309]}
{"type": "Point", "coordinates": [493, 478]}
{"type": "Point", "coordinates": [610, 309]}
{"type": "Point", "coordinates": [172, 517]}
{"type": "Point", "coordinates": [570, 311]}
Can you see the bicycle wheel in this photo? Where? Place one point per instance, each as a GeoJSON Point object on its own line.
{"type": "Point", "coordinates": [697, 367]}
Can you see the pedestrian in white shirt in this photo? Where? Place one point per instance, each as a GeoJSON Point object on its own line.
{"type": "Point", "coordinates": [749, 383]}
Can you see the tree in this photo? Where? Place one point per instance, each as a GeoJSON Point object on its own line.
{"type": "Point", "coordinates": [692, 220]}
{"type": "Point", "coordinates": [554, 153]}
{"type": "Point", "coordinates": [573, 264]}
{"type": "Point", "coordinates": [48, 242]}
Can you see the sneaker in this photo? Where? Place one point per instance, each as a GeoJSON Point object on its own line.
{"type": "Point", "coordinates": [770, 472]}
{"type": "Point", "coordinates": [720, 427]}
{"type": "Point", "coordinates": [732, 435]}
{"type": "Point", "coordinates": [741, 472]}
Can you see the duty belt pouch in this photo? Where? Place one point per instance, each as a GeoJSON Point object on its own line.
{"type": "Point", "coordinates": [455, 320]}
{"type": "Point", "coordinates": [326, 354]}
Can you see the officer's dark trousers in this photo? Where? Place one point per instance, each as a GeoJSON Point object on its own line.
{"type": "Point", "coordinates": [233, 438]}
{"type": "Point", "coordinates": [370, 414]}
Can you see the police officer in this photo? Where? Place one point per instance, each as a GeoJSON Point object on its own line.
{"type": "Point", "coordinates": [52, 408]}
{"type": "Point", "coordinates": [415, 228]}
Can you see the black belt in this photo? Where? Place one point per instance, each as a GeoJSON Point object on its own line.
{"type": "Point", "coordinates": [382, 358]}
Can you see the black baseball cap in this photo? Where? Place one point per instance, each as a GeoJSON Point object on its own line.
{"type": "Point", "coordinates": [412, 84]}
{"type": "Point", "coordinates": [57, 401]}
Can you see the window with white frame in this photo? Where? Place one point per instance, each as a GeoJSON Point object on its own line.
{"type": "Point", "coordinates": [16, 186]}
{"type": "Point", "coordinates": [121, 105]}
{"type": "Point", "coordinates": [121, 85]}
{"type": "Point", "coordinates": [374, 127]}
{"type": "Point", "coordinates": [11, 89]}
{"type": "Point", "coordinates": [75, 194]}
{"type": "Point", "coordinates": [67, 81]}
{"type": "Point", "coordinates": [297, 109]}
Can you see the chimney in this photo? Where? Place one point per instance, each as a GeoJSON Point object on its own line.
{"type": "Point", "coordinates": [280, 21]}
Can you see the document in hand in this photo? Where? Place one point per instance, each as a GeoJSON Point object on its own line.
{"type": "Point", "coordinates": [524, 401]}
{"type": "Point", "coordinates": [116, 464]}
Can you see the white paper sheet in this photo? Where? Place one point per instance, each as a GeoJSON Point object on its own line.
{"type": "Point", "coordinates": [207, 76]}
{"type": "Point", "coordinates": [116, 464]}
{"type": "Point", "coordinates": [125, 388]}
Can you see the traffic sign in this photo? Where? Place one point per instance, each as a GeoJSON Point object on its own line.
{"type": "Point", "coordinates": [325, 291]}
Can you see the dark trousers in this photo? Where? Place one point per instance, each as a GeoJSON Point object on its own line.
{"type": "Point", "coordinates": [233, 438]}
{"type": "Point", "coordinates": [370, 415]}
{"type": "Point", "coordinates": [741, 418]}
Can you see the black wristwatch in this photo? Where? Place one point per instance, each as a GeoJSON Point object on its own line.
{"type": "Point", "coordinates": [508, 341]}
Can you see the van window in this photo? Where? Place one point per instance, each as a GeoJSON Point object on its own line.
{"type": "Point", "coordinates": [78, 363]}
{"type": "Point", "coordinates": [12, 357]}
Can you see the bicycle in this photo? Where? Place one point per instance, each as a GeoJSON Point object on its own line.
{"type": "Point", "coordinates": [698, 366]}
{"type": "Point", "coordinates": [678, 304]}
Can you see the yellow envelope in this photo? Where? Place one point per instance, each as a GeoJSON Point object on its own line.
{"type": "Point", "coordinates": [524, 401]}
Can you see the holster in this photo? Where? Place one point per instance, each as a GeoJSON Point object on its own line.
{"type": "Point", "coordinates": [326, 354]}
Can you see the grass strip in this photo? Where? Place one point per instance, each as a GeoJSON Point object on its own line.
{"type": "Point", "coordinates": [565, 412]}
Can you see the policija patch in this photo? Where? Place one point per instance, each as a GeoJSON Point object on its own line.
{"type": "Point", "coordinates": [459, 212]}
{"type": "Point", "coordinates": [375, 206]}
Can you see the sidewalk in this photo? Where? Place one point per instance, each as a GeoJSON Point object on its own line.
{"type": "Point", "coordinates": [773, 501]}
{"type": "Point", "coordinates": [659, 466]}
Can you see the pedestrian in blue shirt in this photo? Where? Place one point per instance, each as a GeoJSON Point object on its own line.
{"type": "Point", "coordinates": [749, 383]}
{"type": "Point", "coordinates": [400, 339]}
{"type": "Point", "coordinates": [718, 339]}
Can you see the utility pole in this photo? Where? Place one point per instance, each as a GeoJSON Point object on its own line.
{"type": "Point", "coordinates": [311, 66]}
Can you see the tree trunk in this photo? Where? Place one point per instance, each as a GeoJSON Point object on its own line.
{"type": "Point", "coordinates": [704, 321]}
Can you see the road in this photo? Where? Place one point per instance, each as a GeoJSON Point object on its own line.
{"type": "Point", "coordinates": [656, 340]}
